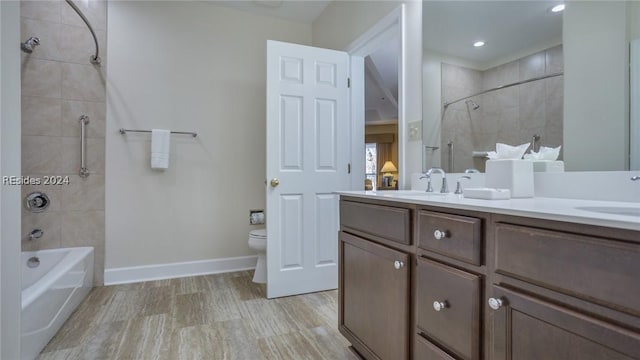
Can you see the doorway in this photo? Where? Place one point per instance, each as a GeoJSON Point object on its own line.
{"type": "Point", "coordinates": [377, 105]}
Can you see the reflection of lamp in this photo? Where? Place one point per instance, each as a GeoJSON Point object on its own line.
{"type": "Point", "coordinates": [387, 169]}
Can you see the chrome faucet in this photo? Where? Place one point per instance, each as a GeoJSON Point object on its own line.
{"type": "Point", "coordinates": [429, 187]}
{"type": "Point", "coordinates": [459, 186]}
{"type": "Point", "coordinates": [444, 188]}
{"type": "Point", "coordinates": [635, 178]}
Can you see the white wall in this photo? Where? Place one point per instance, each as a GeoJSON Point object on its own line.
{"type": "Point", "coordinates": [596, 102]}
{"type": "Point", "coordinates": [186, 66]}
{"type": "Point", "coordinates": [10, 166]}
{"type": "Point", "coordinates": [342, 22]}
{"type": "Point", "coordinates": [633, 19]}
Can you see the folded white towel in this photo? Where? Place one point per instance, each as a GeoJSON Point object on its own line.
{"type": "Point", "coordinates": [160, 143]}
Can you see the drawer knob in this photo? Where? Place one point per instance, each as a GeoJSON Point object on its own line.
{"type": "Point", "coordinates": [440, 305]}
{"type": "Point", "coordinates": [495, 303]}
{"type": "Point", "coordinates": [398, 264]}
{"type": "Point", "coordinates": [440, 234]}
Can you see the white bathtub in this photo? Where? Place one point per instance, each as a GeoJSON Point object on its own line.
{"type": "Point", "coordinates": [51, 292]}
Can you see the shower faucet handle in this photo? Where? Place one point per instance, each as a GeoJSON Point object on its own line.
{"type": "Point", "coordinates": [35, 234]}
{"type": "Point", "coordinates": [635, 178]}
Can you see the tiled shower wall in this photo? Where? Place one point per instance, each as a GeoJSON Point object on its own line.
{"type": "Point", "coordinates": [59, 84]}
{"type": "Point", "coordinates": [512, 115]}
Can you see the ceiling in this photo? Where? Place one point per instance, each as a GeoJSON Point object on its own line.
{"type": "Point", "coordinates": [305, 11]}
{"type": "Point", "coordinates": [381, 84]}
{"type": "Point", "coordinates": [507, 27]}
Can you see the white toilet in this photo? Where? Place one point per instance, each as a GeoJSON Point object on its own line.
{"type": "Point", "coordinates": [258, 242]}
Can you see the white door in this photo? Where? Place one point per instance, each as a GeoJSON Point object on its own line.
{"type": "Point", "coordinates": [307, 159]}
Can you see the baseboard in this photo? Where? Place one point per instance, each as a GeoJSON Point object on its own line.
{"type": "Point", "coordinates": [134, 274]}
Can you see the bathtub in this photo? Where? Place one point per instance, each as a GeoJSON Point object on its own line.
{"type": "Point", "coordinates": [51, 291]}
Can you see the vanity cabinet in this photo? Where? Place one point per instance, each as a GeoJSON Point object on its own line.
{"type": "Point", "coordinates": [431, 282]}
{"type": "Point", "coordinates": [375, 279]}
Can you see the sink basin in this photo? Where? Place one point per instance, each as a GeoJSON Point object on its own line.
{"type": "Point", "coordinates": [615, 210]}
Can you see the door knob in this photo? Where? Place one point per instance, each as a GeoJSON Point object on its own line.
{"type": "Point", "coordinates": [275, 182]}
{"type": "Point", "coordinates": [398, 264]}
{"type": "Point", "coordinates": [495, 303]}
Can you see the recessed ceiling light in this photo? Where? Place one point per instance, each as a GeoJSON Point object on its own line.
{"type": "Point", "coordinates": [557, 8]}
{"type": "Point", "coordinates": [478, 43]}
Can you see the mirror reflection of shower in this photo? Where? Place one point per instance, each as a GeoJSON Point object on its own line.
{"type": "Point", "coordinates": [30, 44]}
{"type": "Point", "coordinates": [473, 104]}
{"type": "Point", "coordinates": [506, 103]}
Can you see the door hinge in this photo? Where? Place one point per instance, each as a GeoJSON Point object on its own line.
{"type": "Point", "coordinates": [349, 168]}
{"type": "Point", "coordinates": [349, 82]}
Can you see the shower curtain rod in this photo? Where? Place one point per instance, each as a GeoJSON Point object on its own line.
{"type": "Point", "coordinates": [95, 59]}
{"type": "Point", "coordinates": [505, 86]}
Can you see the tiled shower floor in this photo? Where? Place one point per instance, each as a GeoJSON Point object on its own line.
{"type": "Point", "coordinates": [223, 316]}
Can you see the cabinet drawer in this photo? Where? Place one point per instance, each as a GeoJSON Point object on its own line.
{"type": "Point", "coordinates": [384, 221]}
{"type": "Point", "coordinates": [594, 269]}
{"type": "Point", "coordinates": [462, 235]}
{"type": "Point", "coordinates": [424, 350]}
{"type": "Point", "coordinates": [456, 325]}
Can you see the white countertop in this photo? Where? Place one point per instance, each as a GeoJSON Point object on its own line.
{"type": "Point", "coordinates": [558, 209]}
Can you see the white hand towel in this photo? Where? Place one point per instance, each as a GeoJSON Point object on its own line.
{"type": "Point", "coordinates": [160, 142]}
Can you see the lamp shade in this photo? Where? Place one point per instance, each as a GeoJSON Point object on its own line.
{"type": "Point", "coordinates": [388, 167]}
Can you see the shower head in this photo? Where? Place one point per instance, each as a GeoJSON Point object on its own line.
{"type": "Point", "coordinates": [28, 45]}
{"type": "Point", "coordinates": [474, 105]}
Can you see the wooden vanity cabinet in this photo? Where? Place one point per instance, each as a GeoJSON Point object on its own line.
{"type": "Point", "coordinates": [375, 279]}
{"type": "Point", "coordinates": [434, 283]}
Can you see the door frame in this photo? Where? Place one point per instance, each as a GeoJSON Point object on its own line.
{"type": "Point", "coordinates": [10, 139]}
{"type": "Point", "coordinates": [391, 25]}
{"type": "Point", "coordinates": [634, 113]}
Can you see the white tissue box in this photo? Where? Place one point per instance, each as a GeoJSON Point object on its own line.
{"type": "Point", "coordinates": [515, 175]}
{"type": "Point", "coordinates": [548, 166]}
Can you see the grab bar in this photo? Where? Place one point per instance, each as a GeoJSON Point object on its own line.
{"type": "Point", "coordinates": [84, 172]}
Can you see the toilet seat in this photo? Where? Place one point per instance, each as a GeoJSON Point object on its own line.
{"type": "Point", "coordinates": [258, 242]}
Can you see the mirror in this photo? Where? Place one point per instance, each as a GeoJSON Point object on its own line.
{"type": "Point", "coordinates": [381, 116]}
{"type": "Point", "coordinates": [541, 77]}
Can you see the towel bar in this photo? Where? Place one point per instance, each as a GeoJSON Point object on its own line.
{"type": "Point", "coordinates": [124, 131]}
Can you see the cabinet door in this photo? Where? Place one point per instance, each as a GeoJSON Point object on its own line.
{"type": "Point", "coordinates": [527, 328]}
{"type": "Point", "coordinates": [374, 298]}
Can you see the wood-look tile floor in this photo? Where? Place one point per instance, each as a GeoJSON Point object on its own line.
{"type": "Point", "coordinates": [222, 316]}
